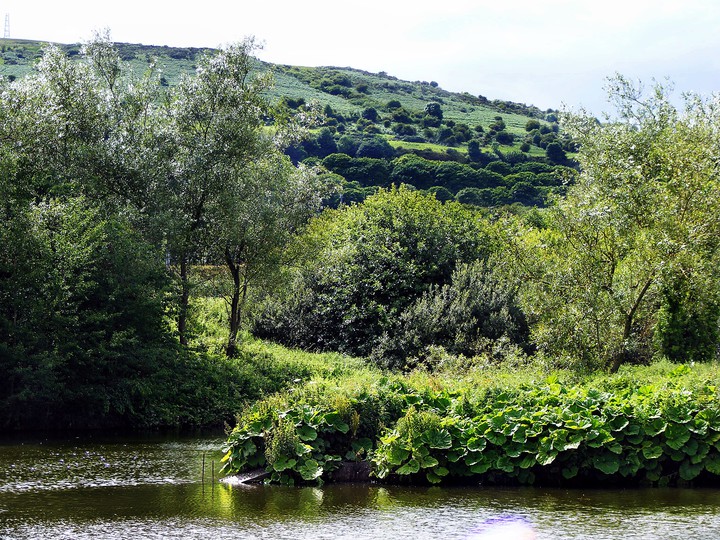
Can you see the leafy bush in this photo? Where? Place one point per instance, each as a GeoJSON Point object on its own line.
{"type": "Point", "coordinates": [555, 434]}
{"type": "Point", "coordinates": [650, 426]}
{"type": "Point", "coordinates": [466, 317]}
{"type": "Point", "coordinates": [303, 437]}
{"type": "Point", "coordinates": [373, 261]}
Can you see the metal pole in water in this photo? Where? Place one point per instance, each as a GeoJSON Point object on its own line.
{"type": "Point", "coordinates": [203, 468]}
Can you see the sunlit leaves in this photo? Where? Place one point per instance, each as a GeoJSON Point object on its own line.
{"type": "Point", "coordinates": [629, 254]}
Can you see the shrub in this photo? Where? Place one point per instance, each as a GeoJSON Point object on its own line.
{"type": "Point", "coordinates": [373, 261]}
{"type": "Point", "coordinates": [465, 317]}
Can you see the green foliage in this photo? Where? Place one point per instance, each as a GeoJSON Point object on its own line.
{"type": "Point", "coordinates": [365, 170]}
{"type": "Point", "coordinates": [375, 147]}
{"type": "Point", "coordinates": [109, 184]}
{"type": "Point", "coordinates": [687, 327]}
{"type": "Point", "coordinates": [372, 261]}
{"type": "Point", "coordinates": [636, 233]}
{"type": "Point", "coordinates": [555, 153]}
{"type": "Point", "coordinates": [640, 433]}
{"type": "Point", "coordinates": [469, 316]}
{"type": "Point", "coordinates": [644, 426]}
{"type": "Point", "coordinates": [88, 309]}
{"type": "Point", "coordinates": [305, 437]}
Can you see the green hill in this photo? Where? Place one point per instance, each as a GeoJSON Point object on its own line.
{"type": "Point", "coordinates": [375, 116]}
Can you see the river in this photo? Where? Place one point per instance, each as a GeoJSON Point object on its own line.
{"type": "Point", "coordinates": [152, 487]}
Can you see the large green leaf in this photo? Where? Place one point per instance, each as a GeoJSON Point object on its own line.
{"type": "Point", "coordinates": [283, 463]}
{"type": "Point", "coordinates": [476, 444]}
{"type": "Point", "coordinates": [432, 477]}
{"type": "Point", "coordinates": [495, 438]}
{"type": "Point", "coordinates": [481, 467]}
{"type": "Point", "coordinates": [520, 435]}
{"type": "Point", "coordinates": [437, 438]}
{"type": "Point", "coordinates": [712, 464]}
{"type": "Point", "coordinates": [474, 457]}
{"type": "Point", "coordinates": [310, 470]}
{"type": "Point", "coordinates": [505, 464]}
{"type": "Point", "coordinates": [428, 462]}
{"type": "Point", "coordinates": [607, 463]}
{"type": "Point", "coordinates": [676, 435]}
{"type": "Point", "coordinates": [689, 471]}
{"type": "Point", "coordinates": [307, 433]}
{"type": "Point", "coordinates": [598, 437]}
{"type": "Point", "coordinates": [618, 423]}
{"type": "Point", "coordinates": [545, 458]}
{"type": "Point", "coordinates": [651, 450]}
{"type": "Point", "coordinates": [655, 426]}
{"type": "Point", "coordinates": [335, 420]}
{"type": "Point", "coordinates": [411, 467]}
{"type": "Point", "coordinates": [397, 455]}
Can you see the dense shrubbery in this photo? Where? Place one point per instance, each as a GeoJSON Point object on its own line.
{"type": "Point", "coordinates": [588, 434]}
{"type": "Point", "coordinates": [653, 426]}
{"type": "Point", "coordinates": [366, 160]}
{"type": "Point", "coordinates": [370, 263]}
{"type": "Point", "coordinates": [468, 316]}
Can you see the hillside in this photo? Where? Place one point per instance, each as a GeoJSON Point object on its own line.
{"type": "Point", "coordinates": [501, 152]}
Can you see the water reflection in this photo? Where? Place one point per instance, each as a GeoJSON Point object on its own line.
{"type": "Point", "coordinates": [154, 489]}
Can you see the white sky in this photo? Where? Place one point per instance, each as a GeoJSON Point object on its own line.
{"type": "Point", "coordinates": [548, 53]}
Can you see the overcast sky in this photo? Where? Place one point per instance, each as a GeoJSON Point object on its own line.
{"type": "Point", "coordinates": [547, 53]}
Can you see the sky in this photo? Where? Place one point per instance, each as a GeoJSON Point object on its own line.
{"type": "Point", "coordinates": [548, 53]}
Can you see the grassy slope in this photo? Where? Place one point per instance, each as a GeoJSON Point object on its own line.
{"type": "Point", "coordinates": [18, 56]}
{"type": "Point", "coordinates": [412, 95]}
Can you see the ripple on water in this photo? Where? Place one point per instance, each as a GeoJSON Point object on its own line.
{"type": "Point", "coordinates": [42, 467]}
{"type": "Point", "coordinates": [149, 491]}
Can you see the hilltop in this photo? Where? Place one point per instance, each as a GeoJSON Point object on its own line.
{"type": "Point", "coordinates": [478, 151]}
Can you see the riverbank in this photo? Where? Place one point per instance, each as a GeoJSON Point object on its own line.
{"type": "Point", "coordinates": [646, 425]}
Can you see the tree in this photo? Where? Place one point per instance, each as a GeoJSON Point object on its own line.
{"type": "Point", "coordinates": [434, 109]}
{"type": "Point", "coordinates": [326, 142]}
{"type": "Point", "coordinates": [639, 224]}
{"type": "Point", "coordinates": [467, 316]}
{"type": "Point", "coordinates": [81, 317]}
{"type": "Point", "coordinates": [217, 121]}
{"type": "Point", "coordinates": [413, 170]}
{"type": "Point", "coordinates": [375, 147]}
{"type": "Point", "coordinates": [371, 261]}
{"type": "Point", "coordinates": [474, 152]}
{"type": "Point", "coordinates": [257, 222]}
{"type": "Point", "coordinates": [370, 113]}
{"type": "Point", "coordinates": [555, 153]}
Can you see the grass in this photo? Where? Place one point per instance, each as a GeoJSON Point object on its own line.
{"type": "Point", "coordinates": [295, 82]}
{"type": "Point", "coordinates": [439, 148]}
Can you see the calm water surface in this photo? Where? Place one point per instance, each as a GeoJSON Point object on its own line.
{"type": "Point", "coordinates": [152, 488]}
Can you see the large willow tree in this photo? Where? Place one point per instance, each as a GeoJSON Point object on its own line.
{"type": "Point", "coordinates": [629, 265]}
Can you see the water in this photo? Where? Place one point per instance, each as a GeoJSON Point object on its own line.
{"type": "Point", "coordinates": [152, 488]}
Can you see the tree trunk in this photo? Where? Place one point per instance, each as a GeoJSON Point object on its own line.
{"type": "Point", "coordinates": [184, 300]}
{"type": "Point", "coordinates": [621, 356]}
{"type": "Point", "coordinates": [237, 301]}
